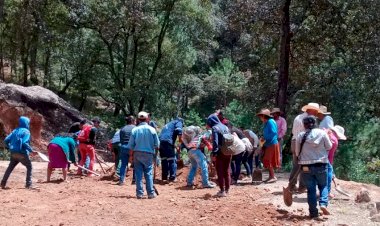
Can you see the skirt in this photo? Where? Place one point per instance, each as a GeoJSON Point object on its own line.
{"type": "Point", "coordinates": [271, 157]}
{"type": "Point", "coordinates": [57, 157]}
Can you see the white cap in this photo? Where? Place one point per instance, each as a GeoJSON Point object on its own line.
{"type": "Point", "coordinates": [142, 115]}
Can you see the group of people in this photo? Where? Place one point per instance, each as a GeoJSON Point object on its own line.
{"type": "Point", "coordinates": [313, 148]}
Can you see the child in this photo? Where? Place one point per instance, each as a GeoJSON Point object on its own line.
{"type": "Point", "coordinates": [18, 142]}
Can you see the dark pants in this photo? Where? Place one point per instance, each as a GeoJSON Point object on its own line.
{"type": "Point", "coordinates": [236, 165]}
{"type": "Point", "coordinates": [296, 169]}
{"type": "Point", "coordinates": [248, 162]}
{"type": "Point", "coordinates": [168, 160]}
{"type": "Point", "coordinates": [116, 151]}
{"type": "Point", "coordinates": [15, 159]}
{"type": "Point", "coordinates": [223, 163]}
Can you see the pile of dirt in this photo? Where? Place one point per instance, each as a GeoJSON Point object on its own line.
{"type": "Point", "coordinates": [49, 113]}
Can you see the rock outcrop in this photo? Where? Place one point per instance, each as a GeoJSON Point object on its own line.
{"type": "Point", "coordinates": [49, 113]}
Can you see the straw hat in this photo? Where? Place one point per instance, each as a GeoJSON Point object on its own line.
{"type": "Point", "coordinates": [339, 132]}
{"type": "Point", "coordinates": [323, 110]}
{"type": "Point", "coordinates": [311, 106]}
{"type": "Point", "coordinates": [265, 112]}
{"type": "Point", "coordinates": [276, 110]}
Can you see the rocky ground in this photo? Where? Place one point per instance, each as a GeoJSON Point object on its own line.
{"type": "Point", "coordinates": [99, 201]}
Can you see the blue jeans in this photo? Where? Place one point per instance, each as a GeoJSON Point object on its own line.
{"type": "Point", "coordinates": [315, 176]}
{"type": "Point", "coordinates": [330, 174]}
{"type": "Point", "coordinates": [248, 162]}
{"type": "Point", "coordinates": [168, 161]}
{"type": "Point", "coordinates": [15, 159]}
{"type": "Point", "coordinates": [236, 165]}
{"type": "Point", "coordinates": [124, 157]}
{"type": "Point", "coordinates": [143, 163]}
{"type": "Point", "coordinates": [197, 159]}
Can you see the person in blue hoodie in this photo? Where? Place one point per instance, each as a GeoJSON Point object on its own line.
{"type": "Point", "coordinates": [223, 162]}
{"type": "Point", "coordinates": [18, 143]}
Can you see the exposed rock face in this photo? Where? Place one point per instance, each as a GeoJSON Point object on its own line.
{"type": "Point", "coordinates": [48, 113]}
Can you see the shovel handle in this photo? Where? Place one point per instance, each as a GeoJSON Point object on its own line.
{"type": "Point", "coordinates": [81, 167]}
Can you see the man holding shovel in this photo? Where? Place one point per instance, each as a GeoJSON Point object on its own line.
{"type": "Point", "coordinates": [144, 141]}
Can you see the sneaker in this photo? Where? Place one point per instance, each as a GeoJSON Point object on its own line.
{"type": "Point", "coordinates": [152, 196]}
{"type": "Point", "coordinates": [120, 183]}
{"type": "Point", "coordinates": [324, 210]}
{"type": "Point", "coordinates": [172, 180]}
{"type": "Point", "coordinates": [189, 185]}
{"type": "Point", "coordinates": [209, 185]}
{"type": "Point", "coordinates": [221, 194]}
{"type": "Point", "coordinates": [139, 196]}
{"type": "Point", "coordinates": [32, 187]}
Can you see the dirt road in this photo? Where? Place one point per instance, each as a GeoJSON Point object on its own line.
{"type": "Point", "coordinates": [91, 201]}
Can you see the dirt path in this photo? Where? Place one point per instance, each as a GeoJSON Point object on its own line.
{"type": "Point", "coordinates": [90, 201]}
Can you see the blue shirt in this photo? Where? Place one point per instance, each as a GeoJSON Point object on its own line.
{"type": "Point", "coordinates": [270, 133]}
{"type": "Point", "coordinates": [326, 123]}
{"type": "Point", "coordinates": [144, 138]}
{"type": "Point", "coordinates": [171, 130]}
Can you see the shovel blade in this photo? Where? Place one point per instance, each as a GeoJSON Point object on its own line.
{"type": "Point", "coordinates": [257, 175]}
{"type": "Point", "coordinates": [288, 196]}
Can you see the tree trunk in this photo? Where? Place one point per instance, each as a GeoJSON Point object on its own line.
{"type": "Point", "coordinates": [33, 58]}
{"type": "Point", "coordinates": [47, 77]}
{"type": "Point", "coordinates": [24, 62]}
{"type": "Point", "coordinates": [83, 102]}
{"type": "Point", "coordinates": [283, 76]}
{"type": "Point", "coordinates": [1, 10]}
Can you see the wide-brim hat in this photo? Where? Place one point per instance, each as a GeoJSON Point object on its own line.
{"type": "Point", "coordinates": [339, 130]}
{"type": "Point", "coordinates": [265, 112]}
{"type": "Point", "coordinates": [311, 106]}
{"type": "Point", "coordinates": [276, 110]}
{"type": "Point", "coordinates": [142, 115]}
{"type": "Point", "coordinates": [323, 110]}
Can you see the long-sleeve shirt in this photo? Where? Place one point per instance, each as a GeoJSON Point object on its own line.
{"type": "Point", "coordinates": [144, 138]}
{"type": "Point", "coordinates": [326, 123]}
{"type": "Point", "coordinates": [298, 125]}
{"type": "Point", "coordinates": [270, 133]}
{"type": "Point", "coordinates": [281, 127]}
{"type": "Point", "coordinates": [315, 148]}
{"type": "Point", "coordinates": [335, 143]}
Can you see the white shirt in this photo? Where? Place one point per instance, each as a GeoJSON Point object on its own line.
{"type": "Point", "coordinates": [298, 125]}
{"type": "Point", "coordinates": [255, 139]}
{"type": "Point", "coordinates": [116, 137]}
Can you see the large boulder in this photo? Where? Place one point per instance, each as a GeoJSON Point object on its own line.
{"type": "Point", "coordinates": [49, 113]}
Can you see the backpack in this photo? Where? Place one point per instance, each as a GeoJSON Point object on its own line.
{"type": "Point", "coordinates": [84, 134]}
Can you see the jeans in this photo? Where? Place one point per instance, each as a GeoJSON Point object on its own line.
{"type": "Point", "coordinates": [15, 159]}
{"type": "Point", "coordinates": [124, 157]}
{"type": "Point", "coordinates": [280, 143]}
{"type": "Point", "coordinates": [248, 162]}
{"type": "Point", "coordinates": [143, 163]}
{"type": "Point", "coordinates": [316, 176]}
{"type": "Point", "coordinates": [330, 174]}
{"type": "Point", "coordinates": [168, 160]}
{"type": "Point", "coordinates": [236, 165]}
{"type": "Point", "coordinates": [87, 150]}
{"type": "Point", "coordinates": [197, 159]}
{"type": "Point", "coordinates": [223, 163]}
{"type": "Point", "coordinates": [295, 170]}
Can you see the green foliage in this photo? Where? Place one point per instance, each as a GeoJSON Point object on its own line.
{"type": "Point", "coordinates": [5, 155]}
{"type": "Point", "coordinates": [193, 118]}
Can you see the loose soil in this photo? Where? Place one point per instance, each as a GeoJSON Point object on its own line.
{"type": "Point", "coordinates": [99, 201]}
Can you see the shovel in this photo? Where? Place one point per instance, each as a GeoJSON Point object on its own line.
{"type": "Point", "coordinates": [257, 176]}
{"type": "Point", "coordinates": [43, 157]}
{"type": "Point", "coordinates": [340, 190]}
{"type": "Point", "coordinates": [81, 167]}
